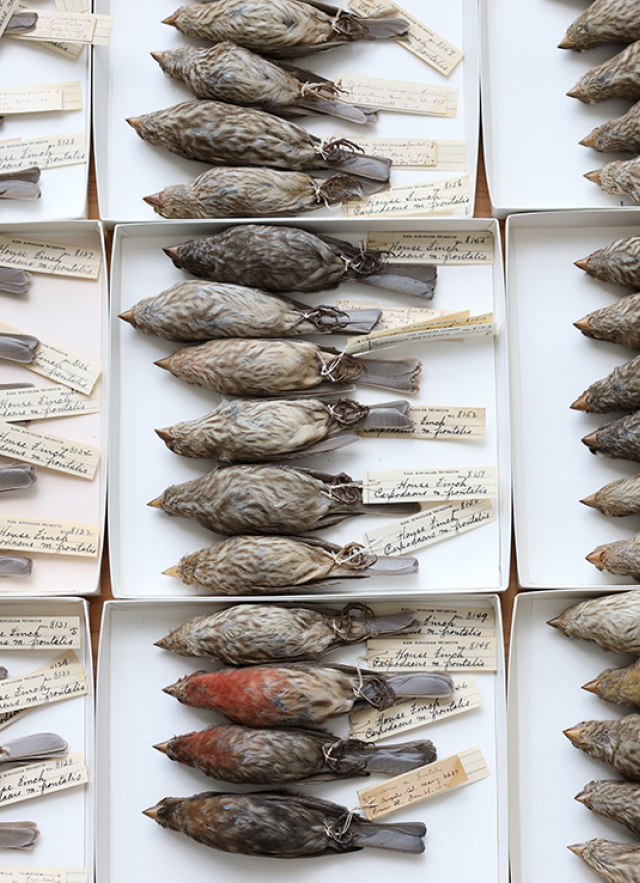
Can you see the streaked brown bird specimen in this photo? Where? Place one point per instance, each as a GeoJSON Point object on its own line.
{"type": "Point", "coordinates": [619, 322]}
{"type": "Point", "coordinates": [253, 633]}
{"type": "Point", "coordinates": [17, 476]}
{"type": "Point", "coordinates": [18, 835]}
{"type": "Point", "coordinates": [207, 310]}
{"type": "Point", "coordinates": [301, 693]}
{"type": "Point", "coordinates": [620, 134]}
{"type": "Point", "coordinates": [231, 73]}
{"type": "Point", "coordinates": [619, 391]}
{"type": "Point", "coordinates": [279, 756]}
{"type": "Point", "coordinates": [619, 439]}
{"type": "Point", "coordinates": [622, 557]}
{"type": "Point", "coordinates": [614, 742]}
{"type": "Point", "coordinates": [283, 259]}
{"type": "Point", "coordinates": [605, 21]}
{"type": "Point", "coordinates": [250, 192]}
{"type": "Point", "coordinates": [616, 862]}
{"type": "Point", "coordinates": [239, 367]}
{"type": "Point", "coordinates": [15, 565]}
{"type": "Point", "coordinates": [280, 825]}
{"type": "Point", "coordinates": [620, 177]}
{"type": "Point", "coordinates": [271, 499]}
{"type": "Point", "coordinates": [620, 685]}
{"type": "Point", "coordinates": [619, 77]}
{"type": "Point", "coordinates": [218, 133]}
{"type": "Point", "coordinates": [18, 347]}
{"type": "Point", "coordinates": [255, 565]}
{"type": "Point", "coordinates": [254, 430]}
{"type": "Point", "coordinates": [618, 262]}
{"type": "Point", "coordinates": [615, 800]}
{"type": "Point", "coordinates": [282, 27]}
{"type": "Point", "coordinates": [612, 621]}
{"type": "Point", "coordinates": [618, 498]}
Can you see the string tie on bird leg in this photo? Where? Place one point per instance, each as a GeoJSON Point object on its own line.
{"type": "Point", "coordinates": [347, 412]}
{"type": "Point", "coordinates": [341, 369]}
{"type": "Point", "coordinates": [334, 756]}
{"type": "Point", "coordinates": [367, 262]}
{"type": "Point", "coordinates": [355, 556]}
{"type": "Point", "coordinates": [337, 150]}
{"type": "Point", "coordinates": [339, 830]}
{"type": "Point", "coordinates": [343, 624]}
{"type": "Point", "coordinates": [324, 318]}
{"type": "Point", "coordinates": [344, 490]}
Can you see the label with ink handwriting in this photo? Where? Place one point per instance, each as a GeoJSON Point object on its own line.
{"type": "Point", "coordinates": [20, 534]}
{"type": "Point", "coordinates": [419, 653]}
{"type": "Point", "coordinates": [400, 316]}
{"type": "Point", "coordinates": [45, 153]}
{"type": "Point", "coordinates": [417, 485]}
{"type": "Point", "coordinates": [35, 99]}
{"type": "Point", "coordinates": [424, 782]}
{"type": "Point", "coordinates": [438, 422]}
{"type": "Point", "coordinates": [373, 726]}
{"type": "Point", "coordinates": [43, 875]}
{"type": "Point", "coordinates": [40, 403]}
{"type": "Point", "coordinates": [48, 451]}
{"type": "Point", "coordinates": [64, 679]}
{"type": "Point", "coordinates": [470, 622]}
{"type": "Point", "coordinates": [429, 331]}
{"type": "Point", "coordinates": [7, 8]}
{"type": "Point", "coordinates": [9, 717]}
{"type": "Point", "coordinates": [51, 258]}
{"type": "Point", "coordinates": [398, 95]}
{"type": "Point", "coordinates": [71, 27]}
{"type": "Point", "coordinates": [435, 248]}
{"type": "Point", "coordinates": [428, 527]}
{"type": "Point", "coordinates": [39, 632]}
{"type": "Point", "coordinates": [434, 197]}
{"type": "Point", "coordinates": [404, 153]}
{"type": "Point", "coordinates": [36, 779]}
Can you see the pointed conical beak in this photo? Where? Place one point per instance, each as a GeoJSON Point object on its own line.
{"type": "Point", "coordinates": [595, 557]}
{"type": "Point", "coordinates": [152, 812]}
{"type": "Point", "coordinates": [574, 733]}
{"type": "Point", "coordinates": [163, 747]}
{"type": "Point", "coordinates": [165, 434]}
{"type": "Point", "coordinates": [173, 690]}
{"type": "Point", "coordinates": [127, 316]}
{"type": "Point", "coordinates": [578, 848]}
{"type": "Point", "coordinates": [591, 440]}
{"type": "Point", "coordinates": [157, 503]}
{"type": "Point", "coordinates": [594, 176]}
{"type": "Point", "coordinates": [162, 643]}
{"type": "Point", "coordinates": [158, 56]}
{"type": "Point", "coordinates": [576, 92]}
{"type": "Point", "coordinates": [592, 686]}
{"type": "Point", "coordinates": [134, 122]}
{"type": "Point", "coordinates": [567, 43]}
{"type": "Point", "coordinates": [591, 501]}
{"type": "Point", "coordinates": [583, 324]}
{"type": "Point", "coordinates": [590, 140]}
{"type": "Point", "coordinates": [173, 252]}
{"type": "Point", "coordinates": [580, 404]}
{"type": "Point", "coordinates": [583, 264]}
{"type": "Point", "coordinates": [583, 797]}
{"type": "Point", "coordinates": [164, 363]}
{"type": "Point", "coordinates": [155, 200]}
{"type": "Point", "coordinates": [172, 20]}
{"type": "Point", "coordinates": [556, 622]}
{"type": "Point", "coordinates": [173, 571]}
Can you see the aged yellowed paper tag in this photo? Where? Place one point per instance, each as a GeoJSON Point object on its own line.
{"type": "Point", "coordinates": [72, 27]}
{"type": "Point", "coordinates": [43, 875]}
{"type": "Point", "coordinates": [431, 330]}
{"type": "Point", "coordinates": [400, 316]}
{"type": "Point", "coordinates": [49, 257]}
{"type": "Point", "coordinates": [8, 717]}
{"type": "Point", "coordinates": [422, 485]}
{"type": "Point", "coordinates": [40, 403]}
{"type": "Point", "coordinates": [64, 678]}
{"type": "Point", "coordinates": [35, 99]}
{"type": "Point", "coordinates": [438, 422]}
{"type": "Point", "coordinates": [72, 5]}
{"type": "Point", "coordinates": [409, 714]}
{"type": "Point", "coordinates": [411, 153]}
{"type": "Point", "coordinates": [471, 622]}
{"type": "Point", "coordinates": [39, 632]}
{"type": "Point", "coordinates": [7, 8]}
{"type": "Point", "coordinates": [441, 197]}
{"type": "Point", "coordinates": [429, 527]}
{"type": "Point", "coordinates": [36, 779]}
{"type": "Point", "coordinates": [420, 653]}
{"type": "Point", "coordinates": [398, 95]}
{"type": "Point", "coordinates": [420, 784]}
{"type": "Point", "coordinates": [51, 152]}
{"type": "Point", "coordinates": [48, 451]}
{"type": "Point", "coordinates": [435, 248]}
{"type": "Point", "coordinates": [20, 534]}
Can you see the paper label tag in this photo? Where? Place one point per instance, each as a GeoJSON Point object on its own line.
{"type": "Point", "coordinates": [39, 632]}
{"type": "Point", "coordinates": [410, 485]}
{"type": "Point", "coordinates": [72, 5]}
{"type": "Point", "coordinates": [63, 679]}
{"type": "Point", "coordinates": [8, 717]}
{"type": "Point", "coordinates": [422, 783]}
{"type": "Point", "coordinates": [413, 199]}
{"type": "Point", "coordinates": [72, 27]}
{"type": "Point", "coordinates": [455, 330]}
{"type": "Point", "coordinates": [423, 654]}
{"type": "Point", "coordinates": [19, 534]}
{"type": "Point", "coordinates": [438, 423]}
{"type": "Point", "coordinates": [405, 153]}
{"type": "Point", "coordinates": [373, 726]}
{"type": "Point", "coordinates": [49, 257]}
{"type": "Point", "coordinates": [7, 8]}
{"type": "Point", "coordinates": [48, 451]}
{"type": "Point", "coordinates": [46, 153]}
{"type": "Point", "coordinates": [35, 99]}
{"type": "Point", "coordinates": [471, 622]}
{"type": "Point", "coordinates": [41, 403]}
{"type": "Point", "coordinates": [435, 248]}
{"type": "Point", "coordinates": [398, 95]}
{"type": "Point", "coordinates": [399, 317]}
{"type": "Point", "coordinates": [43, 875]}
{"type": "Point", "coordinates": [432, 526]}
{"type": "Point", "coordinates": [37, 779]}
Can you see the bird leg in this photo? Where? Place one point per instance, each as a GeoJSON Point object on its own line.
{"type": "Point", "coordinates": [343, 490]}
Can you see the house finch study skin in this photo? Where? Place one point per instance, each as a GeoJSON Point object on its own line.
{"type": "Point", "coordinates": [618, 263]}
{"type": "Point", "coordinates": [280, 756]}
{"type": "Point", "coordinates": [619, 322]}
{"type": "Point", "coordinates": [280, 825]}
{"type": "Point", "coordinates": [612, 622]}
{"type": "Point", "coordinates": [300, 694]}
{"type": "Point", "coordinates": [619, 685]}
{"type": "Point", "coordinates": [616, 742]}
{"type": "Point", "coordinates": [621, 177]}
{"type": "Point", "coordinates": [615, 800]}
{"type": "Point", "coordinates": [619, 439]}
{"type": "Point", "coordinates": [616, 862]}
{"type": "Point", "coordinates": [619, 391]}
{"type": "Point", "coordinates": [618, 498]}
{"type": "Point", "coordinates": [622, 557]}
{"type": "Point", "coordinates": [617, 135]}
{"type": "Point", "coordinates": [605, 21]}
{"type": "Point", "coordinates": [616, 78]}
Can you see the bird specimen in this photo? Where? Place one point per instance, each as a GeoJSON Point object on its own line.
{"type": "Point", "coordinates": [619, 322]}
{"type": "Point", "coordinates": [618, 391]}
{"type": "Point", "coordinates": [619, 177]}
{"type": "Point", "coordinates": [619, 134]}
{"type": "Point", "coordinates": [615, 742]}
{"type": "Point", "coordinates": [605, 21]}
{"type": "Point", "coordinates": [618, 439]}
{"type": "Point", "coordinates": [612, 621]}
{"type": "Point", "coordinates": [622, 557]}
{"type": "Point", "coordinates": [620, 685]}
{"type": "Point", "coordinates": [615, 800]}
{"type": "Point", "coordinates": [616, 862]}
{"type": "Point", "coordinates": [619, 77]}
{"type": "Point", "coordinates": [618, 262]}
{"type": "Point", "coordinates": [618, 498]}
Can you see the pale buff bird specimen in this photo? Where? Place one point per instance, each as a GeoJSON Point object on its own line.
{"type": "Point", "coordinates": [612, 621]}
{"type": "Point", "coordinates": [618, 498]}
{"type": "Point", "coordinates": [616, 742]}
{"type": "Point", "coordinates": [251, 192]}
{"type": "Point", "coordinates": [618, 262]}
{"type": "Point", "coordinates": [207, 310]}
{"type": "Point", "coordinates": [619, 391]}
{"type": "Point", "coordinates": [619, 685]}
{"type": "Point", "coordinates": [616, 862]}
{"type": "Point", "coordinates": [619, 439]}
{"type": "Point", "coordinates": [605, 21]}
{"type": "Point", "coordinates": [271, 500]}
{"type": "Point", "coordinates": [263, 565]}
{"type": "Point", "coordinates": [255, 430]}
{"type": "Point", "coordinates": [619, 322]}
{"type": "Point", "coordinates": [622, 557]}
{"type": "Point", "coordinates": [238, 367]}
{"type": "Point", "coordinates": [282, 27]}
{"type": "Point", "coordinates": [617, 78]}
{"type": "Point", "coordinates": [620, 177]}
{"type": "Point", "coordinates": [231, 73]}
{"type": "Point", "coordinates": [613, 799]}
{"type": "Point", "coordinates": [620, 134]}
{"type": "Point", "coordinates": [219, 134]}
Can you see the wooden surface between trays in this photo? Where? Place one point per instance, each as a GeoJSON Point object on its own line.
{"type": "Point", "coordinates": [483, 210]}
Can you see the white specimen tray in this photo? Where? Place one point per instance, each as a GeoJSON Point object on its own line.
{"type": "Point", "coordinates": [134, 714]}
{"type": "Point", "coordinates": [65, 818]}
{"type": "Point", "coordinates": [72, 313]}
{"type": "Point", "coordinates": [546, 673]}
{"type": "Point", "coordinates": [129, 82]}
{"type": "Point", "coordinates": [552, 363]}
{"type": "Point", "coordinates": [532, 129]}
{"type": "Point", "coordinates": [145, 541]}
{"type": "Point", "coordinates": [27, 63]}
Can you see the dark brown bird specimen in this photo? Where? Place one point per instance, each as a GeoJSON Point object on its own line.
{"type": "Point", "coordinates": [250, 192]}
{"type": "Point", "coordinates": [283, 259]}
{"type": "Point", "coordinates": [303, 694]}
{"type": "Point", "coordinates": [619, 439]}
{"type": "Point", "coordinates": [616, 862]}
{"type": "Point", "coordinates": [17, 476]}
{"type": "Point", "coordinates": [280, 825]}
{"type": "Point", "coordinates": [620, 685]}
{"type": "Point", "coordinates": [271, 499]}
{"type": "Point", "coordinates": [219, 133]}
{"type": "Point", "coordinates": [614, 742]}
{"type": "Point", "coordinates": [282, 27]}
{"type": "Point", "coordinates": [20, 185]}
{"type": "Point", "coordinates": [619, 322]}
{"type": "Point", "coordinates": [279, 756]}
{"type": "Point", "coordinates": [15, 565]}
{"type": "Point", "coordinates": [255, 430]}
{"type": "Point", "coordinates": [605, 21]}
{"type": "Point", "coordinates": [615, 800]}
{"type": "Point", "coordinates": [252, 633]}
{"type": "Point", "coordinates": [14, 281]}
{"type": "Point", "coordinates": [618, 391]}
{"type": "Point", "coordinates": [612, 621]}
{"type": "Point", "coordinates": [239, 367]}
{"type": "Point", "coordinates": [231, 73]}
{"type": "Point", "coordinates": [618, 498]}
{"type": "Point", "coordinates": [208, 310]}
{"type": "Point", "coordinates": [620, 134]}
{"type": "Point", "coordinates": [622, 557]}
{"type": "Point", "coordinates": [18, 835]}
{"type": "Point", "coordinates": [18, 347]}
{"type": "Point", "coordinates": [620, 177]}
{"type": "Point", "coordinates": [618, 263]}
{"type": "Point", "coordinates": [617, 78]}
{"type": "Point", "coordinates": [264, 565]}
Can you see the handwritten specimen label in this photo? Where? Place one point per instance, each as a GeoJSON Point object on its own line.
{"type": "Point", "coordinates": [471, 622]}
{"type": "Point", "coordinates": [36, 779]}
{"type": "Point", "coordinates": [438, 422]}
{"type": "Point", "coordinates": [432, 330]}
{"type": "Point", "coordinates": [71, 27]}
{"type": "Point", "coordinates": [435, 248]}
{"type": "Point", "coordinates": [34, 99]}
{"type": "Point", "coordinates": [43, 875]}
{"type": "Point", "coordinates": [46, 153]}
{"type": "Point", "coordinates": [7, 8]}
{"type": "Point", "coordinates": [414, 199]}
{"type": "Point", "coordinates": [373, 726]}
{"type": "Point", "coordinates": [418, 653]}
{"type": "Point", "coordinates": [409, 485]}
{"type": "Point", "coordinates": [9, 717]}
{"type": "Point", "coordinates": [49, 537]}
{"type": "Point", "coordinates": [64, 679]}
{"type": "Point", "coordinates": [72, 5]}
{"type": "Point", "coordinates": [432, 526]}
{"type": "Point", "coordinates": [48, 451]}
{"type": "Point", "coordinates": [42, 402]}
{"type": "Point", "coordinates": [405, 153]}
{"type": "Point", "coordinates": [398, 317]}
{"type": "Point", "coordinates": [50, 257]}
{"type": "Point", "coordinates": [420, 784]}
{"type": "Point", "coordinates": [398, 95]}
{"type": "Point", "coordinates": [39, 632]}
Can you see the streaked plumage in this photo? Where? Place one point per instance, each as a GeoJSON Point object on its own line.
{"type": "Point", "coordinates": [616, 742]}
{"type": "Point", "coordinates": [605, 21]}
{"type": "Point", "coordinates": [616, 135]}
{"type": "Point", "coordinates": [618, 391]}
{"type": "Point", "coordinates": [619, 439]}
{"type": "Point", "coordinates": [619, 77]}
{"type": "Point", "coordinates": [616, 862]}
{"type": "Point", "coordinates": [619, 177]}
{"type": "Point", "coordinates": [15, 565]}
{"type": "Point", "coordinates": [618, 498]}
{"type": "Point", "coordinates": [619, 685]}
{"type": "Point", "coordinates": [615, 800]}
{"type": "Point", "coordinates": [622, 557]}
{"type": "Point", "coordinates": [618, 262]}
{"type": "Point", "coordinates": [619, 322]}
{"type": "Point", "coordinates": [612, 621]}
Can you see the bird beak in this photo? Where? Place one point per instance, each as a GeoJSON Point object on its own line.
{"type": "Point", "coordinates": [164, 363]}
{"type": "Point", "coordinates": [163, 643]}
{"type": "Point", "coordinates": [591, 441]}
{"type": "Point", "coordinates": [173, 571]}
{"type": "Point", "coordinates": [583, 797]}
{"type": "Point", "coordinates": [174, 690]}
{"type": "Point", "coordinates": [567, 43]}
{"type": "Point", "coordinates": [127, 316]}
{"type": "Point", "coordinates": [583, 324]}
{"type": "Point", "coordinates": [155, 200]}
{"type": "Point", "coordinates": [574, 733]}
{"type": "Point", "coordinates": [173, 252]}
{"type": "Point", "coordinates": [589, 141]}
{"type": "Point", "coordinates": [574, 93]}
{"type": "Point", "coordinates": [164, 748]}
{"type": "Point", "coordinates": [556, 622]}
{"type": "Point", "coordinates": [591, 501]}
{"type": "Point", "coordinates": [172, 20]}
{"type": "Point", "coordinates": [592, 686]}
{"type": "Point", "coordinates": [594, 176]}
{"type": "Point", "coordinates": [153, 812]}
{"type": "Point", "coordinates": [582, 264]}
{"type": "Point", "coordinates": [134, 122]}
{"type": "Point", "coordinates": [580, 404]}
{"type": "Point", "coordinates": [157, 503]}
{"type": "Point", "coordinates": [165, 434]}
{"type": "Point", "coordinates": [578, 848]}
{"type": "Point", "coordinates": [158, 56]}
{"type": "Point", "coordinates": [596, 557]}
